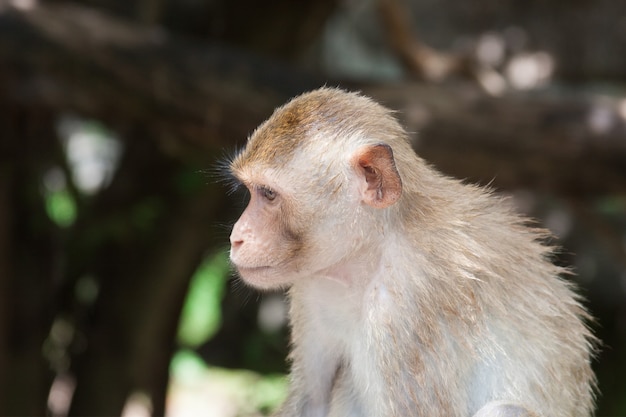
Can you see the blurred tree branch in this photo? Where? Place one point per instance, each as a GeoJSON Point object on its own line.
{"type": "Point", "coordinates": [426, 63]}
{"type": "Point", "coordinates": [566, 142]}
{"type": "Point", "coordinates": [210, 96]}
{"type": "Point", "coordinates": [422, 61]}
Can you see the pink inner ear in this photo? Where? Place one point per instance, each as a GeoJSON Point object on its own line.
{"type": "Point", "coordinates": [378, 167]}
{"type": "Point", "coordinates": [372, 177]}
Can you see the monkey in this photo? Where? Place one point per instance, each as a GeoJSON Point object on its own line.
{"type": "Point", "coordinates": [411, 293]}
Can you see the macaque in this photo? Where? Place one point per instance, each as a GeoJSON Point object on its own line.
{"type": "Point", "coordinates": [411, 293]}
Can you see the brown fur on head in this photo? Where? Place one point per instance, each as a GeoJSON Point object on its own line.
{"type": "Point", "coordinates": [306, 117]}
{"type": "Point", "coordinates": [307, 149]}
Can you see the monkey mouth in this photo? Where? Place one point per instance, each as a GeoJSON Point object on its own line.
{"type": "Point", "coordinates": [259, 277]}
{"type": "Point", "coordinates": [244, 270]}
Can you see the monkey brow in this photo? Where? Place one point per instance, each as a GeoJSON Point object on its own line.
{"type": "Point", "coordinates": [232, 182]}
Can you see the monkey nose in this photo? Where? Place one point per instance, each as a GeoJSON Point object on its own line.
{"type": "Point", "coordinates": [239, 233]}
{"type": "Point", "coordinates": [235, 240]}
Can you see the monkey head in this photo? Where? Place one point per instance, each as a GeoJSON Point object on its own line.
{"type": "Point", "coordinates": [319, 183]}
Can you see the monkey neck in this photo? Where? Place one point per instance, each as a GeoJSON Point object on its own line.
{"type": "Point", "coordinates": [356, 271]}
{"type": "Point", "coordinates": [337, 299]}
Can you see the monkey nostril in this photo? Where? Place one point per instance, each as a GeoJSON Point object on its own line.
{"type": "Point", "coordinates": [237, 234]}
{"type": "Point", "coordinates": [236, 242]}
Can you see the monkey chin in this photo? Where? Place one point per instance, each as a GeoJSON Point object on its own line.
{"type": "Point", "coordinates": [261, 277]}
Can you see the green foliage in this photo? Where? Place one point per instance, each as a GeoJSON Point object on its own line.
{"type": "Point", "coordinates": [270, 391]}
{"type": "Point", "coordinates": [86, 290]}
{"type": "Point", "coordinates": [61, 208]}
{"type": "Point", "coordinates": [187, 366]}
{"type": "Point", "coordinates": [611, 205]}
{"type": "Point", "coordinates": [245, 391]}
{"type": "Point", "coordinates": [201, 314]}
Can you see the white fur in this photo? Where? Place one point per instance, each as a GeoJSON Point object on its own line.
{"type": "Point", "coordinates": [439, 304]}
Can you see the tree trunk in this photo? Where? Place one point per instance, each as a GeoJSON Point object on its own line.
{"type": "Point", "coordinates": [27, 267]}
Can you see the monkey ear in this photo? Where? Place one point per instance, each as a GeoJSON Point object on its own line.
{"type": "Point", "coordinates": [376, 166]}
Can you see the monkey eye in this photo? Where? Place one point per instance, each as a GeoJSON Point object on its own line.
{"type": "Point", "coordinates": [268, 193]}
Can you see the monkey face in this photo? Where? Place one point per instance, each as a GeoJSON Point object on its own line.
{"type": "Point", "coordinates": [297, 225]}
{"type": "Point", "coordinates": [265, 245]}
{"type": "Point", "coordinates": [294, 226]}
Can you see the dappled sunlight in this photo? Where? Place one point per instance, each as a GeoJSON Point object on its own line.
{"type": "Point", "coordinates": [560, 222]}
{"type": "Point", "coordinates": [601, 118]}
{"type": "Point", "coordinates": [56, 351]}
{"type": "Point", "coordinates": [529, 70]}
{"type": "Point", "coordinates": [24, 5]}
{"type": "Point", "coordinates": [93, 152]}
{"type": "Point", "coordinates": [138, 404]}
{"type": "Point", "coordinates": [56, 346]}
{"type": "Point", "coordinates": [272, 313]}
{"type": "Point", "coordinates": [507, 62]}
{"type": "Point", "coordinates": [606, 114]}
{"type": "Point", "coordinates": [60, 396]}
{"type": "Point", "coordinates": [491, 49]}
{"type": "Point", "coordinates": [492, 82]}
{"type": "Point", "coordinates": [197, 389]}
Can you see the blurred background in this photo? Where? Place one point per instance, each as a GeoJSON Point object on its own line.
{"type": "Point", "coordinates": [116, 296]}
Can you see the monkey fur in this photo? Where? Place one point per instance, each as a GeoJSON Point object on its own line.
{"type": "Point", "coordinates": [411, 293]}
